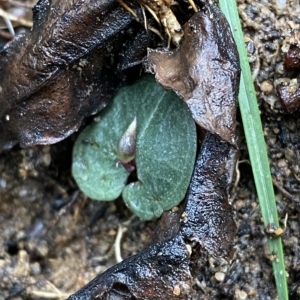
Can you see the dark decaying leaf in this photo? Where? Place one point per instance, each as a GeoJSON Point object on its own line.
{"type": "Point", "coordinates": [209, 217]}
{"type": "Point", "coordinates": [65, 69]}
{"type": "Point", "coordinates": [164, 270]}
{"type": "Point", "coordinates": [204, 71]}
{"type": "Point", "coordinates": [153, 274]}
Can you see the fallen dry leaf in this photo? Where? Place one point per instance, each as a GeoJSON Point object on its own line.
{"type": "Point", "coordinates": [65, 69]}
{"type": "Point", "coordinates": [209, 216]}
{"type": "Point", "coordinates": [204, 71]}
{"type": "Point", "coordinates": [150, 275]}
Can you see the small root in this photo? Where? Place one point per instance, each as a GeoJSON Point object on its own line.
{"type": "Point", "coordinates": [193, 5]}
{"type": "Point", "coordinates": [283, 190]}
{"type": "Point", "coordinates": [162, 13]}
{"type": "Point", "coordinates": [116, 247]}
{"type": "Point", "coordinates": [144, 16]}
{"type": "Point", "coordinates": [55, 294]}
{"type": "Point", "coordinates": [237, 171]}
{"type": "Point", "coordinates": [297, 177]}
{"type": "Point", "coordinates": [128, 8]}
{"type": "Point", "coordinates": [117, 244]}
{"type": "Point", "coordinates": [154, 15]}
{"type": "Point", "coordinates": [132, 12]}
{"type": "Point", "coordinates": [49, 295]}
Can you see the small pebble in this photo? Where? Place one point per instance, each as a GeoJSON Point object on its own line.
{"type": "Point", "coordinates": [276, 130]}
{"type": "Point", "coordinates": [100, 269]}
{"type": "Point", "coordinates": [47, 159]}
{"type": "Point", "coordinates": [289, 153]}
{"type": "Point", "coordinates": [176, 290]}
{"type": "Point", "coordinates": [220, 276]}
{"type": "Point", "coordinates": [2, 183]}
{"type": "Point", "coordinates": [272, 141]}
{"type": "Point", "coordinates": [2, 263]}
{"type": "Point", "coordinates": [266, 87]}
{"type": "Point", "coordinates": [42, 248]}
{"type": "Point", "coordinates": [240, 295]}
{"type": "Point", "coordinates": [252, 293]}
{"type": "Point", "coordinates": [282, 163]}
{"type": "Point", "coordinates": [287, 172]}
{"type": "Point", "coordinates": [35, 268]}
{"type": "Point", "coordinates": [112, 232]}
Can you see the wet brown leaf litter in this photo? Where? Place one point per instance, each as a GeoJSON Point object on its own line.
{"type": "Point", "coordinates": [193, 74]}
{"type": "Point", "coordinates": [54, 240]}
{"type": "Point", "coordinates": [62, 77]}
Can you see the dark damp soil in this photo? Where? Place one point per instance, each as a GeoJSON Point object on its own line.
{"type": "Point", "coordinates": [54, 240]}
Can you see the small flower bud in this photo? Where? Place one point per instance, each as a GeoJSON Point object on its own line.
{"type": "Point", "coordinates": [127, 143]}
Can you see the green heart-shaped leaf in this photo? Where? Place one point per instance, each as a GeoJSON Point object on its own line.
{"type": "Point", "coordinates": [165, 150]}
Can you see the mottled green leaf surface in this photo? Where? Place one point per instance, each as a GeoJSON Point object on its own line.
{"type": "Point", "coordinates": [95, 162]}
{"type": "Point", "coordinates": [165, 150]}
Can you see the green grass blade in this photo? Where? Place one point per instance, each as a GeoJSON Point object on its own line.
{"type": "Point", "coordinates": [257, 146]}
